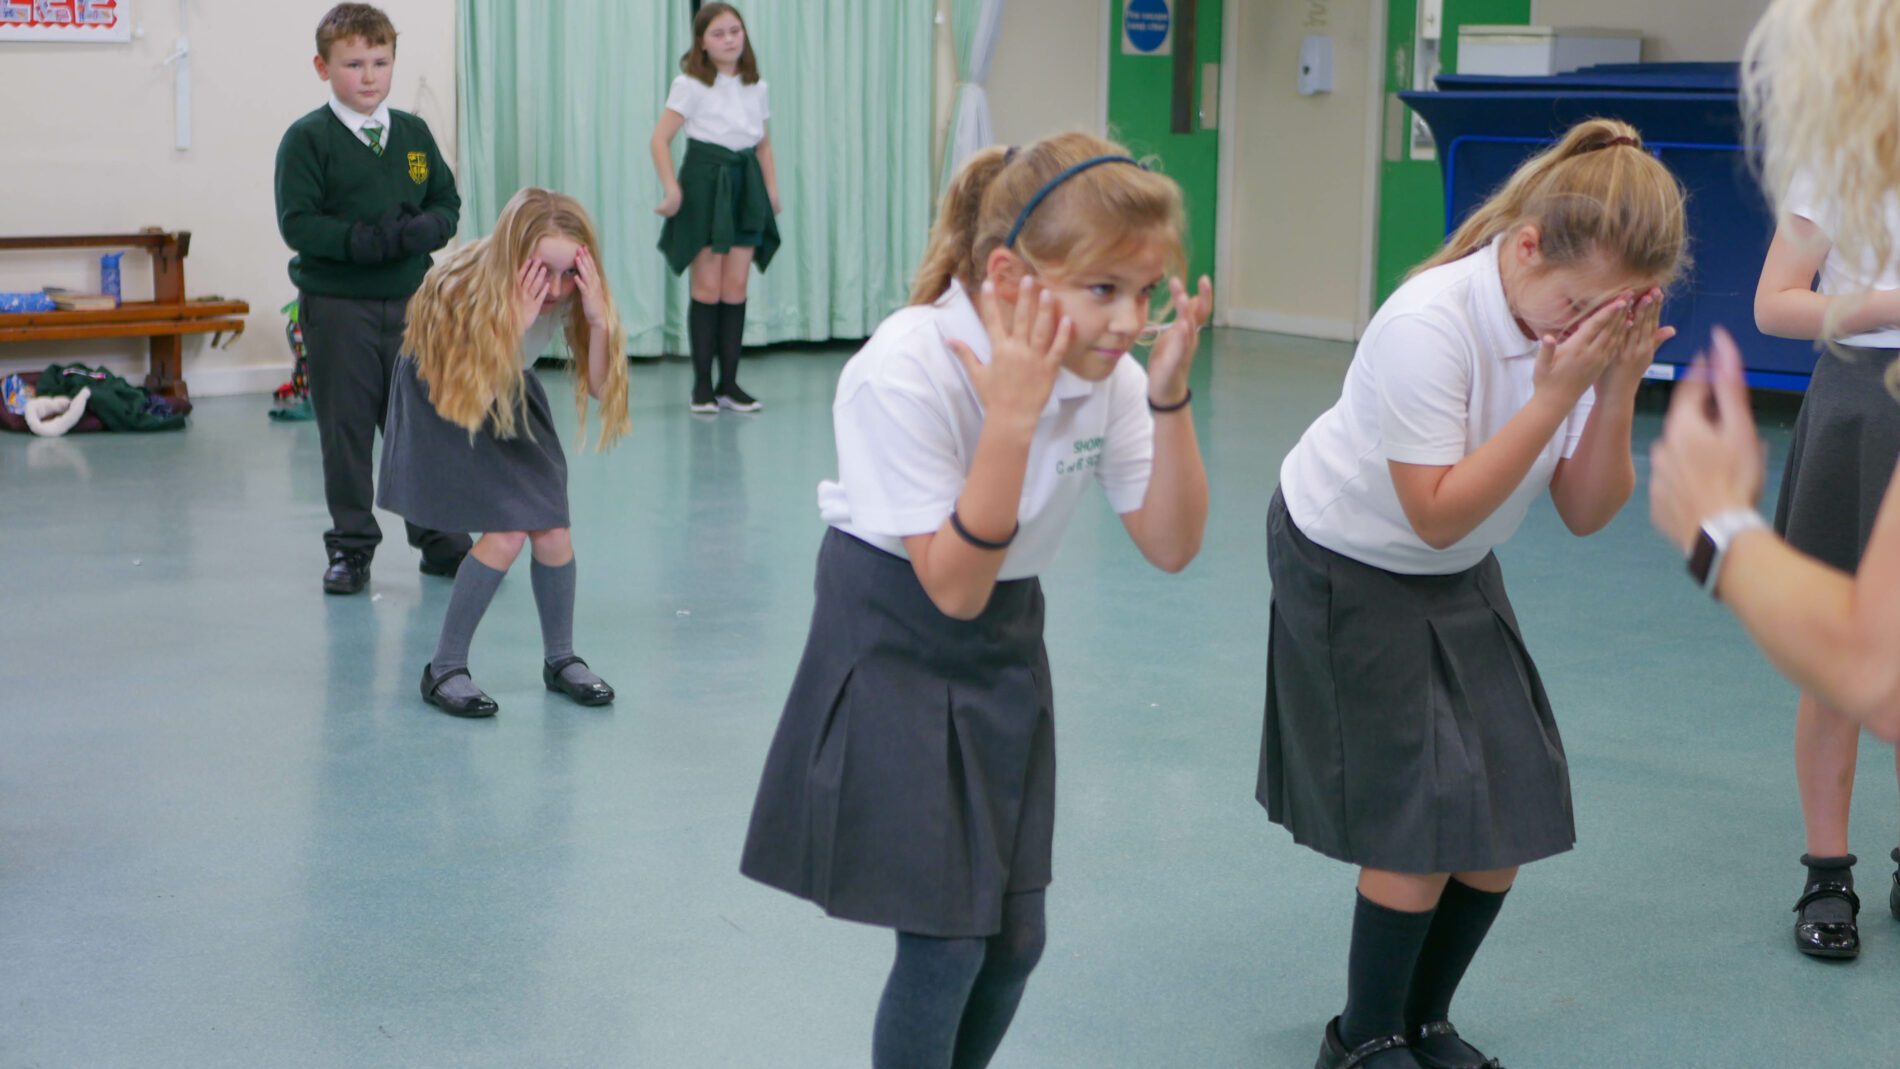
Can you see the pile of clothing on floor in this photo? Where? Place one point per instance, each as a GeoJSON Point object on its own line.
{"type": "Point", "coordinates": [76, 398]}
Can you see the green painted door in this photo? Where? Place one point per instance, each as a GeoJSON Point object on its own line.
{"type": "Point", "coordinates": [1141, 111]}
{"type": "Point", "coordinates": [1411, 194]}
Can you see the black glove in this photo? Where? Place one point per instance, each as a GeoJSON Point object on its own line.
{"type": "Point", "coordinates": [391, 225]}
{"type": "Point", "coordinates": [423, 232]}
{"type": "Point", "coordinates": [367, 244]}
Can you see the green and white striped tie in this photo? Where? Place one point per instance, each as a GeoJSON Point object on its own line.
{"type": "Point", "coordinates": [374, 132]}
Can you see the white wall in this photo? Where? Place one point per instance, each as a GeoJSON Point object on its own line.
{"type": "Point", "coordinates": [89, 150]}
{"type": "Point", "coordinates": [1297, 220]}
{"type": "Point", "coordinates": [1678, 30]}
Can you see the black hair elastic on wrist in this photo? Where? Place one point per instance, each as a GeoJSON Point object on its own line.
{"type": "Point", "coordinates": [1175, 407]}
{"type": "Point", "coordinates": [956, 524]}
{"type": "Point", "coordinates": [1049, 187]}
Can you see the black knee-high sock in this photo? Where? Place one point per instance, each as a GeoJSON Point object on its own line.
{"type": "Point", "coordinates": [731, 333]}
{"type": "Point", "coordinates": [1458, 928]}
{"type": "Point", "coordinates": [1009, 957]}
{"type": "Point", "coordinates": [924, 1000]}
{"type": "Point", "coordinates": [1385, 947]}
{"type": "Point", "coordinates": [702, 333]}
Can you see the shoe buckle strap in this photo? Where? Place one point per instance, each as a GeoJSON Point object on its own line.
{"type": "Point", "coordinates": [1360, 1054]}
{"type": "Point", "coordinates": [1828, 890]}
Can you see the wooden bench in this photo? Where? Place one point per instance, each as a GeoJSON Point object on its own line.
{"type": "Point", "coordinates": [165, 319]}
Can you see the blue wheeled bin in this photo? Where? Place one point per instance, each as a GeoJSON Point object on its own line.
{"type": "Point", "coordinates": [1690, 118]}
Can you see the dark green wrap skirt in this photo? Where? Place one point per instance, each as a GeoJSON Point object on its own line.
{"type": "Point", "coordinates": [724, 203]}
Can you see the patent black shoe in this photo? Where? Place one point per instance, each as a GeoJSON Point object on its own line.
{"type": "Point", "coordinates": [479, 706]}
{"type": "Point", "coordinates": [348, 572]}
{"type": "Point", "coordinates": [1334, 1055]}
{"type": "Point", "coordinates": [1838, 940]}
{"type": "Point", "coordinates": [581, 693]}
{"type": "Point", "coordinates": [1431, 1030]}
{"type": "Point", "coordinates": [1893, 895]}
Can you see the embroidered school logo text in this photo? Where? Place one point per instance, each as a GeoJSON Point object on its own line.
{"type": "Point", "coordinates": [1087, 454]}
{"type": "Point", "coordinates": [418, 167]}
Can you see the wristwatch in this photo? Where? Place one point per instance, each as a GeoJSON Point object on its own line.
{"type": "Point", "coordinates": [1712, 542]}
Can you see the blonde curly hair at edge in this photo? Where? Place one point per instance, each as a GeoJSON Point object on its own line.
{"type": "Point", "coordinates": [462, 333]}
{"type": "Point", "coordinates": [1819, 78]}
{"type": "Point", "coordinates": [1096, 217]}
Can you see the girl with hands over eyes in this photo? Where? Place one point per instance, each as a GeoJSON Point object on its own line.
{"type": "Point", "coordinates": [1406, 731]}
{"type": "Point", "coordinates": [969, 428]}
{"type": "Point", "coordinates": [469, 436]}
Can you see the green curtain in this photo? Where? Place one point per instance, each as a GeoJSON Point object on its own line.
{"type": "Point", "coordinates": [565, 95]}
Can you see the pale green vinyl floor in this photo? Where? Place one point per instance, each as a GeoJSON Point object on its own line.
{"type": "Point", "coordinates": [232, 835]}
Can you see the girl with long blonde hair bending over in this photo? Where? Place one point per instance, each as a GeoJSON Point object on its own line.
{"type": "Point", "coordinates": [470, 437]}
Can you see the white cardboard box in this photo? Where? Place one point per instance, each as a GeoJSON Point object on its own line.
{"type": "Point", "coordinates": [1543, 50]}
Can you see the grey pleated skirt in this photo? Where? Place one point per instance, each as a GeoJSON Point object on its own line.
{"type": "Point", "coordinates": [911, 783]}
{"type": "Point", "coordinates": [1406, 727]}
{"type": "Point", "coordinates": [436, 475]}
{"type": "Point", "coordinates": [1846, 441]}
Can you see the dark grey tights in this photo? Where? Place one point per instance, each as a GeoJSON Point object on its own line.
{"type": "Point", "coordinates": [949, 1001]}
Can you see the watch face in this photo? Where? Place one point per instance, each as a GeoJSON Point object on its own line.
{"type": "Point", "coordinates": [1702, 557]}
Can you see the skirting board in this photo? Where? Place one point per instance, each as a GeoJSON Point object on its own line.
{"type": "Point", "coordinates": [1298, 326]}
{"type": "Point", "coordinates": [231, 381]}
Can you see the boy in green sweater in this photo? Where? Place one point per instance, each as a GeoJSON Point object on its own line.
{"type": "Point", "coordinates": [363, 198]}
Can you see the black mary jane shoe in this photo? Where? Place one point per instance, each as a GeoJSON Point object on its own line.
{"type": "Point", "coordinates": [1334, 1055]}
{"type": "Point", "coordinates": [580, 693]}
{"type": "Point", "coordinates": [1439, 1029]}
{"type": "Point", "coordinates": [481, 705]}
{"type": "Point", "coordinates": [1893, 895]}
{"type": "Point", "coordinates": [1837, 940]}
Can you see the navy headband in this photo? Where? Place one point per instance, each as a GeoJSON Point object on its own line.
{"type": "Point", "coordinates": [1049, 187]}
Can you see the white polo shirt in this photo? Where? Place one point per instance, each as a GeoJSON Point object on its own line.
{"type": "Point", "coordinates": [1443, 366]}
{"type": "Point", "coordinates": [727, 112]}
{"type": "Point", "coordinates": [1837, 275]}
{"type": "Point", "coordinates": [907, 421]}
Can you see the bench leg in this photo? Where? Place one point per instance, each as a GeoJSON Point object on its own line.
{"type": "Point", "coordinates": [167, 375]}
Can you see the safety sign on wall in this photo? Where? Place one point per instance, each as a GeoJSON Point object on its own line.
{"type": "Point", "coordinates": [65, 20]}
{"type": "Point", "coordinates": [1148, 28]}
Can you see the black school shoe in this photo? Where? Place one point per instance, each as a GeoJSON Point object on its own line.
{"type": "Point", "coordinates": [736, 399]}
{"type": "Point", "coordinates": [1435, 1029]}
{"type": "Point", "coordinates": [580, 693]}
{"type": "Point", "coordinates": [481, 705]}
{"type": "Point", "coordinates": [443, 567]}
{"type": "Point", "coordinates": [1833, 940]}
{"type": "Point", "coordinates": [348, 572]}
{"type": "Point", "coordinates": [1334, 1055]}
{"type": "Point", "coordinates": [1893, 896]}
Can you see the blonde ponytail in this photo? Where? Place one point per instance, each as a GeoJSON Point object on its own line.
{"type": "Point", "coordinates": [1596, 190]}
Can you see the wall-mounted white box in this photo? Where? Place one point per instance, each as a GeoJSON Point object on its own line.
{"type": "Point", "coordinates": [1543, 50]}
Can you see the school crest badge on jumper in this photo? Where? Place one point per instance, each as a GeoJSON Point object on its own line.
{"type": "Point", "coordinates": [418, 167]}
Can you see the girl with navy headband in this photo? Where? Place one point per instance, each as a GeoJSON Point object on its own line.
{"type": "Point", "coordinates": [911, 783]}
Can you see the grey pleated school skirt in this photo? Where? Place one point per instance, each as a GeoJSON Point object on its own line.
{"type": "Point", "coordinates": [1406, 727]}
{"type": "Point", "coordinates": [436, 475]}
{"type": "Point", "coordinates": [911, 783]}
{"type": "Point", "coordinates": [1846, 441]}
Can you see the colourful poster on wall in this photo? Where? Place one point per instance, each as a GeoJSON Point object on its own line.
{"type": "Point", "coordinates": [65, 20]}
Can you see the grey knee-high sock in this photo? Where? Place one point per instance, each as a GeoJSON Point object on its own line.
{"type": "Point", "coordinates": [475, 586]}
{"type": "Point", "coordinates": [554, 600]}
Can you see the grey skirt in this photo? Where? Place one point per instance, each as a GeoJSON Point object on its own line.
{"type": "Point", "coordinates": [1406, 727]}
{"type": "Point", "coordinates": [911, 783]}
{"type": "Point", "coordinates": [437, 475]}
{"type": "Point", "coordinates": [1846, 441]}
